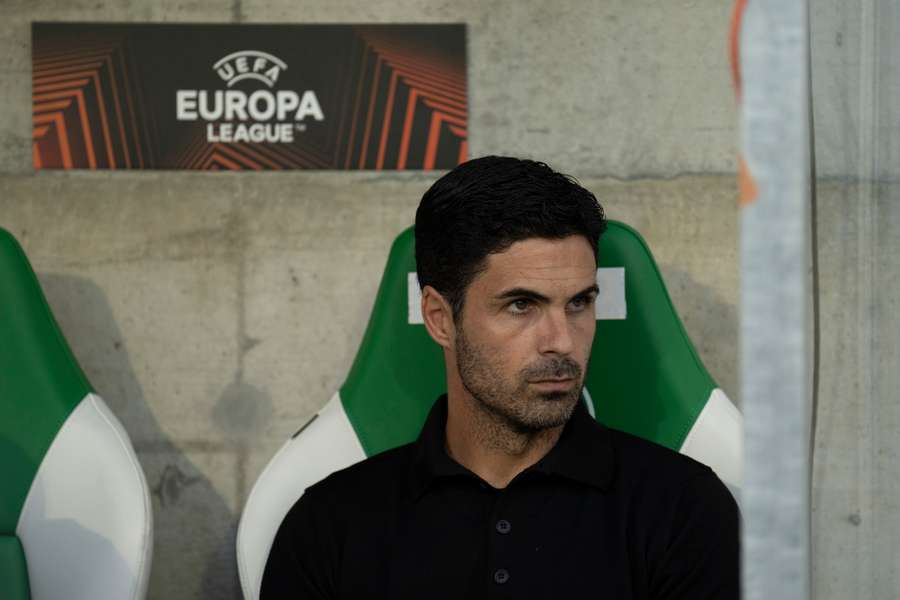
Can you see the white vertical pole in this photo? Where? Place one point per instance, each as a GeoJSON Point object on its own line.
{"type": "Point", "coordinates": [774, 270]}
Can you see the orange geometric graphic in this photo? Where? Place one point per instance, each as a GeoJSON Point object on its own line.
{"type": "Point", "coordinates": [81, 107]}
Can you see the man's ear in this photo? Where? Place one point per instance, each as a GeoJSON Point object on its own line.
{"type": "Point", "coordinates": [438, 317]}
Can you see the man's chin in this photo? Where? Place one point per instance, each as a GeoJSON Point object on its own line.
{"type": "Point", "coordinates": [549, 410]}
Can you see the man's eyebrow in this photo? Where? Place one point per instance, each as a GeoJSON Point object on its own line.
{"type": "Point", "coordinates": [591, 289]}
{"type": "Point", "coordinates": [538, 297]}
{"type": "Point", "coordinates": [522, 293]}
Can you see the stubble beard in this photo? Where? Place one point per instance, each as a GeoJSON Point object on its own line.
{"type": "Point", "coordinates": [514, 405]}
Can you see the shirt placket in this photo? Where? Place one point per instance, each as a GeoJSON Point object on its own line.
{"type": "Point", "coordinates": [499, 528]}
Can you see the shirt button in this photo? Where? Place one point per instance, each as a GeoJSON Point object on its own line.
{"type": "Point", "coordinates": [503, 526]}
{"type": "Point", "coordinates": [501, 576]}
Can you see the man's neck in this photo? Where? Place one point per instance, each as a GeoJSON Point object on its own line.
{"type": "Point", "coordinates": [487, 445]}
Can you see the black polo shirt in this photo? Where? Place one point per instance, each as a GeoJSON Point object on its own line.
{"type": "Point", "coordinates": [603, 515]}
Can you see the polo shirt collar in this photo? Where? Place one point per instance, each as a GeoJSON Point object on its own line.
{"type": "Point", "coordinates": [583, 452]}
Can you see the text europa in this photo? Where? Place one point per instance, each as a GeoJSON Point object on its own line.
{"type": "Point", "coordinates": [237, 105]}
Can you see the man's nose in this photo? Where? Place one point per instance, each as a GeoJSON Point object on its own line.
{"type": "Point", "coordinates": [555, 335]}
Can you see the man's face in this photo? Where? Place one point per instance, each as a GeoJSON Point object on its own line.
{"type": "Point", "coordinates": [524, 336]}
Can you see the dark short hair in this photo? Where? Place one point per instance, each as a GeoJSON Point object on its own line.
{"type": "Point", "coordinates": [485, 205]}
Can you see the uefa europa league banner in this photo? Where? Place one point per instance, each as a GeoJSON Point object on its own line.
{"type": "Point", "coordinates": [259, 97]}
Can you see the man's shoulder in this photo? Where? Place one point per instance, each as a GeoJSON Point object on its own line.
{"type": "Point", "coordinates": [658, 481]}
{"type": "Point", "coordinates": [640, 460]}
{"type": "Point", "coordinates": [378, 475]}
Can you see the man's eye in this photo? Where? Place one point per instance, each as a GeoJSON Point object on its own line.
{"type": "Point", "coordinates": [580, 304]}
{"type": "Point", "coordinates": [519, 306]}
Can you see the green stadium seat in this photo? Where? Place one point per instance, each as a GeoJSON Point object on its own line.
{"type": "Point", "coordinates": [645, 377]}
{"type": "Point", "coordinates": [75, 514]}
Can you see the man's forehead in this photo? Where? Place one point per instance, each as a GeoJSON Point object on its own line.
{"type": "Point", "coordinates": [542, 260]}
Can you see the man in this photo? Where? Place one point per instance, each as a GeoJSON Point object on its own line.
{"type": "Point", "coordinates": [512, 490]}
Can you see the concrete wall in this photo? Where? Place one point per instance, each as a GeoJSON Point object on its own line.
{"type": "Point", "coordinates": [856, 92]}
{"type": "Point", "coordinates": [855, 507]}
{"type": "Point", "coordinates": [218, 312]}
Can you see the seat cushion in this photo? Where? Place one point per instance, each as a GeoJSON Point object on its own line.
{"type": "Point", "coordinates": [86, 525]}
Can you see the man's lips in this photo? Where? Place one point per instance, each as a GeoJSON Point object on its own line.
{"type": "Point", "coordinates": [553, 383]}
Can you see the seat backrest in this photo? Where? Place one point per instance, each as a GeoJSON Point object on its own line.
{"type": "Point", "coordinates": [75, 515]}
{"type": "Point", "coordinates": [645, 377]}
